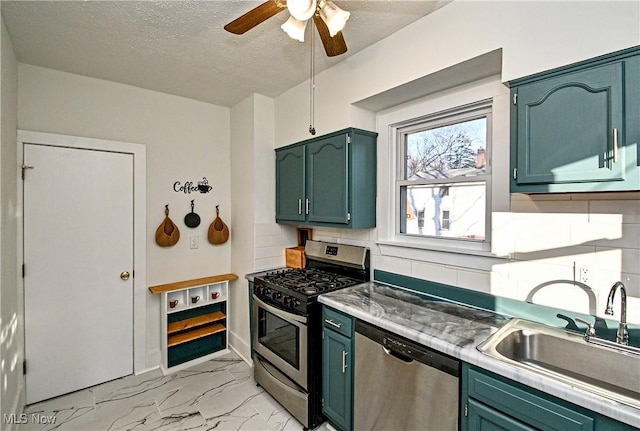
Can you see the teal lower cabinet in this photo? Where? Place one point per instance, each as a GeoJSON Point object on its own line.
{"type": "Point", "coordinates": [337, 369]}
{"type": "Point", "coordinates": [482, 417]}
{"type": "Point", "coordinates": [492, 402]}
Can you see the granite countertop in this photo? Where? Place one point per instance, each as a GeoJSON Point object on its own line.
{"type": "Point", "coordinates": [457, 330]}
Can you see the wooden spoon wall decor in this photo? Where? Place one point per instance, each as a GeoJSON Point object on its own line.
{"type": "Point", "coordinates": [218, 230]}
{"type": "Point", "coordinates": [167, 233]}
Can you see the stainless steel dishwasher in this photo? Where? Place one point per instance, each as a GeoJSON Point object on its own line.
{"type": "Point", "coordinates": [400, 385]}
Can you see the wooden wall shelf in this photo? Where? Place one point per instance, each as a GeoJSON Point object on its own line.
{"type": "Point", "coordinates": [184, 337]}
{"type": "Point", "coordinates": [194, 320]}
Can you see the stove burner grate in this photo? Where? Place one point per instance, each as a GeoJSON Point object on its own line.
{"type": "Point", "coordinates": [308, 281]}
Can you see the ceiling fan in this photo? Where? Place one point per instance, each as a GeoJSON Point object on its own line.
{"type": "Point", "coordinates": [327, 17]}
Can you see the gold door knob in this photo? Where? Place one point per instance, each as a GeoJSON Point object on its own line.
{"type": "Point", "coordinates": [124, 275]}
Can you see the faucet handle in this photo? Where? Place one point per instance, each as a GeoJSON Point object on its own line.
{"type": "Point", "coordinates": [591, 329]}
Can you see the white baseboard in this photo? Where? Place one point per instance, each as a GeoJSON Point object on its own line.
{"type": "Point", "coordinates": [247, 360]}
{"type": "Point", "coordinates": [240, 346]}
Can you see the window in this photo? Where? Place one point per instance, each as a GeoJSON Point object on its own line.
{"type": "Point", "coordinates": [443, 176]}
{"type": "Point", "coordinates": [445, 220]}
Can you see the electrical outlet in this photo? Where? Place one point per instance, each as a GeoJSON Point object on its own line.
{"type": "Point", "coordinates": [584, 275]}
{"type": "Point", "coordinates": [193, 242]}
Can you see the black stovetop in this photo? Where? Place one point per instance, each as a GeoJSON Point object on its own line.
{"type": "Point", "coordinates": [296, 290]}
{"type": "Point", "coordinates": [309, 281]}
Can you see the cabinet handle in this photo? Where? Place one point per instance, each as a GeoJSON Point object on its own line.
{"type": "Point", "coordinates": [344, 362]}
{"type": "Point", "coordinates": [615, 145]}
{"type": "Point", "coordinates": [332, 323]}
{"type": "Point", "coordinates": [307, 206]}
{"type": "Point", "coordinates": [299, 206]}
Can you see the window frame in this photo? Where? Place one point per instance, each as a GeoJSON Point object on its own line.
{"type": "Point", "coordinates": [455, 115]}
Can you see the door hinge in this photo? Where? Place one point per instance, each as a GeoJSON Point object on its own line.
{"type": "Point", "coordinates": [24, 168]}
{"type": "Point", "coordinates": [515, 98]}
{"type": "Point", "coordinates": [348, 216]}
{"type": "Point", "coordinates": [24, 367]}
{"type": "Point", "coordinates": [515, 173]}
{"type": "Point", "coordinates": [348, 139]}
{"type": "Point", "coordinates": [466, 410]}
{"type": "Point", "coordinates": [24, 270]}
{"type": "Point", "coordinates": [323, 402]}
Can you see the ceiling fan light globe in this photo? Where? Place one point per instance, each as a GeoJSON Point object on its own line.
{"type": "Point", "coordinates": [334, 17]}
{"type": "Point", "coordinates": [295, 28]}
{"type": "Point", "coordinates": [301, 10]}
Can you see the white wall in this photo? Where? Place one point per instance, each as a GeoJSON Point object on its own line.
{"type": "Point", "coordinates": [185, 140]}
{"type": "Point", "coordinates": [544, 238]}
{"type": "Point", "coordinates": [243, 207]}
{"type": "Point", "coordinates": [259, 242]}
{"type": "Point", "coordinates": [534, 36]}
{"type": "Point", "coordinates": [11, 319]}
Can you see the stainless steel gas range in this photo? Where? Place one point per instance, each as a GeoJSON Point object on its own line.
{"type": "Point", "coordinates": [287, 325]}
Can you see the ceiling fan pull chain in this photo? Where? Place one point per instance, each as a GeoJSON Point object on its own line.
{"type": "Point", "coordinates": [312, 83]}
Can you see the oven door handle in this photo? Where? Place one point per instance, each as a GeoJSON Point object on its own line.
{"type": "Point", "coordinates": [280, 313]}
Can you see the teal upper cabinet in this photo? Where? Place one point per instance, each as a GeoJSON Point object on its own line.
{"type": "Point", "coordinates": [576, 129]}
{"type": "Point", "coordinates": [328, 175]}
{"type": "Point", "coordinates": [290, 184]}
{"type": "Point", "coordinates": [328, 181]}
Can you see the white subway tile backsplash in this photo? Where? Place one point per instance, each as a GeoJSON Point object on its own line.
{"type": "Point", "coordinates": [627, 210]}
{"type": "Point", "coordinates": [392, 264]}
{"type": "Point", "coordinates": [268, 252]}
{"type": "Point", "coordinates": [269, 263]}
{"type": "Point", "coordinates": [629, 237]}
{"type": "Point", "coordinates": [434, 272]}
{"type": "Point", "coordinates": [554, 206]}
{"type": "Point", "coordinates": [549, 240]}
{"type": "Point", "coordinates": [632, 283]}
{"type": "Point", "coordinates": [480, 280]}
{"type": "Point", "coordinates": [597, 233]}
{"type": "Point", "coordinates": [267, 229]}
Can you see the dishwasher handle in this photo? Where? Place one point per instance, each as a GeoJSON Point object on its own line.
{"type": "Point", "coordinates": [398, 356]}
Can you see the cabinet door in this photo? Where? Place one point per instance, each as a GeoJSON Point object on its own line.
{"type": "Point", "coordinates": [337, 378]}
{"type": "Point", "coordinates": [483, 418]}
{"type": "Point", "coordinates": [525, 404]}
{"type": "Point", "coordinates": [327, 187]}
{"type": "Point", "coordinates": [568, 125]}
{"type": "Point", "coordinates": [290, 184]}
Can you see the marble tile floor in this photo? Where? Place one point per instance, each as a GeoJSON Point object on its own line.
{"type": "Point", "coordinates": [216, 395]}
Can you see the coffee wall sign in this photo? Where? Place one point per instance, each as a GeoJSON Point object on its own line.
{"type": "Point", "coordinates": [189, 187]}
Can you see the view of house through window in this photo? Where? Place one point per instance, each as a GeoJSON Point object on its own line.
{"type": "Point", "coordinates": [442, 183]}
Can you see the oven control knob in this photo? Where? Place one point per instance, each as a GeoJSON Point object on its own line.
{"type": "Point", "coordinates": [276, 295]}
{"type": "Point", "coordinates": [295, 302]}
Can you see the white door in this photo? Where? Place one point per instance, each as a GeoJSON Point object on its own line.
{"type": "Point", "coordinates": [78, 242]}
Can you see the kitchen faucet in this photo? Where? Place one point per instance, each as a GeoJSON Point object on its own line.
{"type": "Point", "coordinates": [622, 336]}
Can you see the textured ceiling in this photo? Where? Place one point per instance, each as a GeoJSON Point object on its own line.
{"type": "Point", "coordinates": [181, 48]}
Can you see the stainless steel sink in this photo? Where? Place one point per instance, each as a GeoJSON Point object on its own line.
{"type": "Point", "coordinates": [613, 373]}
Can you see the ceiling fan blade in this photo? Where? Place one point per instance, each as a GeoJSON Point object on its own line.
{"type": "Point", "coordinates": [255, 16]}
{"type": "Point", "coordinates": [332, 45]}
